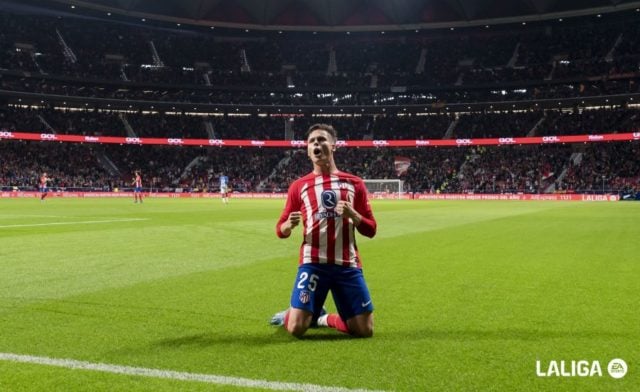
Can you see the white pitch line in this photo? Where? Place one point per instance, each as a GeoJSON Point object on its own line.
{"type": "Point", "coordinates": [173, 375]}
{"type": "Point", "coordinates": [75, 223]}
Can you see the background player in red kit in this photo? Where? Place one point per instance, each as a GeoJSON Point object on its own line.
{"type": "Point", "coordinates": [44, 186]}
{"type": "Point", "coordinates": [331, 205]}
{"type": "Point", "coordinates": [137, 190]}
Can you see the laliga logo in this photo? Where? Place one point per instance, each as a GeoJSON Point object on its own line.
{"type": "Point", "coordinates": [257, 143]}
{"type": "Point", "coordinates": [380, 143]}
{"type": "Point", "coordinates": [550, 139]}
{"type": "Point", "coordinates": [174, 141]}
{"type": "Point", "coordinates": [6, 135]}
{"type": "Point", "coordinates": [617, 368]}
{"type": "Point", "coordinates": [48, 136]}
{"type": "Point", "coordinates": [133, 140]}
{"type": "Point", "coordinates": [216, 142]}
{"type": "Point", "coordinates": [422, 142]}
{"type": "Point", "coordinates": [506, 140]}
{"type": "Point", "coordinates": [596, 137]}
{"type": "Point", "coordinates": [91, 139]}
{"type": "Point", "coordinates": [464, 141]}
{"type": "Point", "coordinates": [298, 143]}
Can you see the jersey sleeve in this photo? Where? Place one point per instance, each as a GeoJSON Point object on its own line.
{"type": "Point", "coordinates": [293, 204]}
{"type": "Point", "coordinates": [368, 225]}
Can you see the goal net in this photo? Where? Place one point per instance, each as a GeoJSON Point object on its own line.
{"type": "Point", "coordinates": [384, 189]}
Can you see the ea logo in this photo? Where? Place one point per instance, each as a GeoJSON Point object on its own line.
{"type": "Point", "coordinates": [617, 368]}
{"type": "Point", "coordinates": [329, 199]}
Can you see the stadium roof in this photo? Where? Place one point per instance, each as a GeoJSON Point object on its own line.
{"type": "Point", "coordinates": [351, 15]}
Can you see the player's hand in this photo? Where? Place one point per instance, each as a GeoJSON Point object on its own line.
{"type": "Point", "coordinates": [345, 208]}
{"type": "Point", "coordinates": [294, 218]}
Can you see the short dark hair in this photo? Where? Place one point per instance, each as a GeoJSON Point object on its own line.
{"type": "Point", "coordinates": [325, 127]}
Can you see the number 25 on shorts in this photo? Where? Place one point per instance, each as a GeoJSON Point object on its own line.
{"type": "Point", "coordinates": [313, 281]}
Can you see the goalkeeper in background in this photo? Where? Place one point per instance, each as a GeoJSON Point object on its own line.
{"type": "Point", "coordinates": [331, 205]}
{"type": "Point", "coordinates": [224, 189]}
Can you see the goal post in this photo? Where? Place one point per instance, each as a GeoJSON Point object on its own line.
{"type": "Point", "coordinates": [384, 188]}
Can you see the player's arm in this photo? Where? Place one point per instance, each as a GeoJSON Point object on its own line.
{"type": "Point", "coordinates": [359, 211]}
{"type": "Point", "coordinates": [291, 215]}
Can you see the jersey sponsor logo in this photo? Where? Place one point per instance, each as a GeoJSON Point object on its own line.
{"type": "Point", "coordinates": [132, 140]}
{"type": "Point", "coordinates": [329, 199]}
{"type": "Point", "coordinates": [550, 139]}
{"type": "Point", "coordinates": [6, 135]}
{"type": "Point", "coordinates": [506, 140]}
{"type": "Point", "coordinates": [175, 141]}
{"type": "Point", "coordinates": [48, 136]}
{"type": "Point", "coordinates": [464, 142]}
{"type": "Point", "coordinates": [326, 215]}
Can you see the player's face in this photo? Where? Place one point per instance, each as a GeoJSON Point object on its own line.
{"type": "Point", "coordinates": [320, 146]}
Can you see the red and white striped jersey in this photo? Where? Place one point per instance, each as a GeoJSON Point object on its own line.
{"type": "Point", "coordinates": [328, 237]}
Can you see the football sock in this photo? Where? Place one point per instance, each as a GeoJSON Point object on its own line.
{"type": "Point", "coordinates": [334, 321]}
{"type": "Point", "coordinates": [286, 320]}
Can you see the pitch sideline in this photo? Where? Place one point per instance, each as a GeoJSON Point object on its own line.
{"type": "Point", "coordinates": [172, 375]}
{"type": "Point", "coordinates": [75, 223]}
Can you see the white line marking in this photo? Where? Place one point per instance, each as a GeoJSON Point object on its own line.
{"type": "Point", "coordinates": [31, 216]}
{"type": "Point", "coordinates": [173, 375]}
{"type": "Point", "coordinates": [75, 223]}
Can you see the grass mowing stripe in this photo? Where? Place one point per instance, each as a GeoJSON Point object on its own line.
{"type": "Point", "coordinates": [173, 375]}
{"type": "Point", "coordinates": [75, 223]}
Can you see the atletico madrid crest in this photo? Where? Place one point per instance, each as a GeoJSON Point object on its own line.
{"type": "Point", "coordinates": [304, 297]}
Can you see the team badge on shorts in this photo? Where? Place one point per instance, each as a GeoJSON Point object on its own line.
{"type": "Point", "coordinates": [304, 297]}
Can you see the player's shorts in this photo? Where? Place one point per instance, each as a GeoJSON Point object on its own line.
{"type": "Point", "coordinates": [137, 189]}
{"type": "Point", "coordinates": [347, 286]}
{"type": "Point", "coordinates": [43, 189]}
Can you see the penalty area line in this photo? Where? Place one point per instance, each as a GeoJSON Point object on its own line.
{"type": "Point", "coordinates": [171, 374]}
{"type": "Point", "coordinates": [75, 223]}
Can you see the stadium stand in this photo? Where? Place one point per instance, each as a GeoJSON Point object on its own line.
{"type": "Point", "coordinates": [83, 76]}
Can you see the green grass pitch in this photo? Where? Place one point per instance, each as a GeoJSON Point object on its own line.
{"type": "Point", "coordinates": [468, 295]}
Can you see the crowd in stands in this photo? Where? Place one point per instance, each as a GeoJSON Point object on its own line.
{"type": "Point", "coordinates": [91, 58]}
{"type": "Point", "coordinates": [92, 122]}
{"type": "Point", "coordinates": [65, 54]}
{"type": "Point", "coordinates": [594, 168]}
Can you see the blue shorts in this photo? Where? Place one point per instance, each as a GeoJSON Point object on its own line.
{"type": "Point", "coordinates": [43, 189]}
{"type": "Point", "coordinates": [138, 189]}
{"type": "Point", "coordinates": [347, 286]}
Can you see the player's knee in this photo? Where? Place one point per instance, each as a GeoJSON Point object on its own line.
{"type": "Point", "coordinates": [365, 332]}
{"type": "Point", "coordinates": [361, 326]}
{"type": "Point", "coordinates": [297, 329]}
